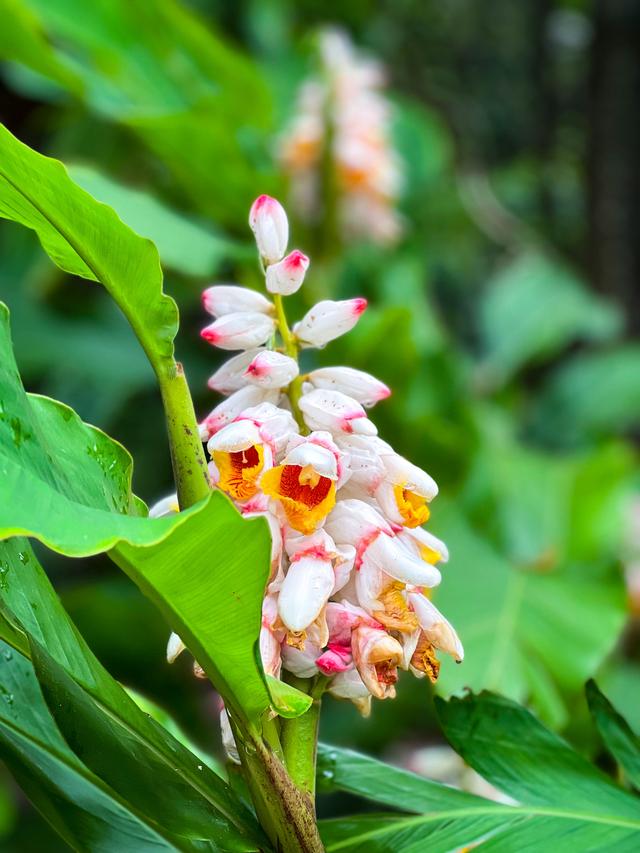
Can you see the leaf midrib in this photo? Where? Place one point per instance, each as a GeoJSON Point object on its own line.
{"type": "Point", "coordinates": [507, 811]}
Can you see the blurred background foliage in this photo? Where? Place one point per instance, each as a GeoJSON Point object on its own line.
{"type": "Point", "coordinates": [504, 319]}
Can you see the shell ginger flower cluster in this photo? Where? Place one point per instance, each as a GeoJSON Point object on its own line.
{"type": "Point", "coordinates": [338, 142]}
{"type": "Point", "coordinates": [352, 566]}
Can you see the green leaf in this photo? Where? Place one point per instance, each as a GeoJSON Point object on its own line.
{"type": "Point", "coordinates": [22, 40]}
{"type": "Point", "coordinates": [449, 819]}
{"type": "Point", "coordinates": [288, 701]}
{"type": "Point", "coordinates": [214, 600]}
{"type": "Point", "coordinates": [96, 710]}
{"type": "Point", "coordinates": [184, 244]}
{"type": "Point", "coordinates": [79, 805]}
{"type": "Point", "coordinates": [513, 751]}
{"type": "Point", "coordinates": [88, 239]}
{"type": "Point", "coordinates": [617, 734]}
{"type": "Point", "coordinates": [591, 395]}
{"type": "Point", "coordinates": [520, 626]}
{"type": "Point", "coordinates": [162, 73]}
{"type": "Point", "coordinates": [517, 325]}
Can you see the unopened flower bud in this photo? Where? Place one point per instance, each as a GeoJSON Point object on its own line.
{"type": "Point", "coordinates": [269, 223]}
{"type": "Point", "coordinates": [271, 370]}
{"type": "Point", "coordinates": [286, 277]}
{"type": "Point", "coordinates": [221, 299]}
{"type": "Point", "coordinates": [328, 320]}
{"type": "Point", "coordinates": [363, 387]}
{"type": "Point", "coordinates": [230, 376]}
{"type": "Point", "coordinates": [335, 412]}
{"type": "Point", "coordinates": [243, 330]}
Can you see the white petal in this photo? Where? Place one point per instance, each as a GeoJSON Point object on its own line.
{"type": "Point", "coordinates": [236, 436]}
{"type": "Point", "coordinates": [328, 320]}
{"type": "Point", "coordinates": [319, 458]}
{"type": "Point", "coordinates": [230, 376]}
{"type": "Point", "coordinates": [235, 404]}
{"type": "Point", "coordinates": [175, 647]}
{"type": "Point", "coordinates": [229, 299]}
{"type": "Point", "coordinates": [438, 629]}
{"type": "Point", "coordinates": [286, 277]}
{"type": "Point", "coordinates": [305, 590]}
{"type": "Point", "coordinates": [244, 330]}
{"type": "Point", "coordinates": [363, 387]}
{"type": "Point", "coordinates": [301, 662]}
{"type": "Point", "coordinates": [332, 411]}
{"type": "Point", "coordinates": [270, 225]}
{"type": "Point", "coordinates": [352, 522]}
{"type": "Point", "coordinates": [271, 370]}
{"type": "Point", "coordinates": [166, 506]}
{"type": "Point", "coordinates": [392, 557]}
{"type": "Point", "coordinates": [404, 473]}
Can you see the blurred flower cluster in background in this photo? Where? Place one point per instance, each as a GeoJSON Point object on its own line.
{"type": "Point", "coordinates": [476, 178]}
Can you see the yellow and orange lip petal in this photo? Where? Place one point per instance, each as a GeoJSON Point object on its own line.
{"type": "Point", "coordinates": [424, 659]}
{"type": "Point", "coordinates": [430, 555]}
{"type": "Point", "coordinates": [239, 471]}
{"type": "Point", "coordinates": [412, 507]}
{"type": "Point", "coordinates": [396, 615]}
{"type": "Point", "coordinates": [306, 497]}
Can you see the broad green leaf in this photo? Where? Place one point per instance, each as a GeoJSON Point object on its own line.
{"type": "Point", "coordinates": [616, 733]}
{"type": "Point", "coordinates": [524, 631]}
{"type": "Point", "coordinates": [79, 805]}
{"type": "Point", "coordinates": [512, 750]}
{"type": "Point", "coordinates": [96, 710]}
{"type": "Point", "coordinates": [22, 40]}
{"type": "Point", "coordinates": [69, 485]}
{"type": "Point", "coordinates": [591, 395]}
{"type": "Point", "coordinates": [532, 309]}
{"type": "Point", "coordinates": [161, 73]}
{"type": "Point", "coordinates": [449, 819]}
{"type": "Point", "coordinates": [88, 239]}
{"type": "Point", "coordinates": [62, 481]}
{"type": "Point", "coordinates": [184, 244]}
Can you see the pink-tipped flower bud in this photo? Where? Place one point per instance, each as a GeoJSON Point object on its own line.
{"type": "Point", "coordinates": [361, 386]}
{"type": "Point", "coordinates": [328, 320]}
{"type": "Point", "coordinates": [221, 299]}
{"type": "Point", "coordinates": [270, 225]}
{"type": "Point", "coordinates": [271, 370]}
{"type": "Point", "coordinates": [243, 330]}
{"type": "Point", "coordinates": [286, 277]}
{"type": "Point", "coordinates": [335, 412]}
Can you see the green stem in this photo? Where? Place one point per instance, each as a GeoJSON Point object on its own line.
{"type": "Point", "coordinates": [285, 812]}
{"type": "Point", "coordinates": [291, 349]}
{"type": "Point", "coordinates": [299, 735]}
{"type": "Point", "coordinates": [187, 456]}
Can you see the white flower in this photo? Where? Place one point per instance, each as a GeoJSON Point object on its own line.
{"type": "Point", "coordinates": [277, 426]}
{"type": "Point", "coordinates": [364, 454]}
{"type": "Point", "coordinates": [335, 412]}
{"type": "Point", "coordinates": [269, 223]}
{"type": "Point", "coordinates": [405, 491]}
{"type": "Point", "coordinates": [376, 655]}
{"type": "Point", "coordinates": [221, 299]}
{"type": "Point", "coordinates": [230, 376]}
{"type": "Point", "coordinates": [286, 277]}
{"type": "Point", "coordinates": [244, 330]}
{"type": "Point", "coordinates": [353, 522]}
{"type": "Point", "coordinates": [437, 629]}
{"type": "Point", "coordinates": [361, 386]}
{"type": "Point", "coordinates": [230, 408]}
{"type": "Point", "coordinates": [328, 320]}
{"type": "Point", "coordinates": [427, 546]}
{"type": "Point", "coordinates": [388, 554]}
{"type": "Point", "coordinates": [305, 590]}
{"type": "Point", "coordinates": [271, 370]}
